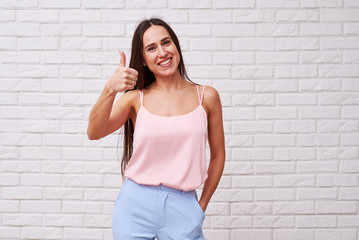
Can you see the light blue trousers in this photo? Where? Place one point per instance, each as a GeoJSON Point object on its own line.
{"type": "Point", "coordinates": [149, 212]}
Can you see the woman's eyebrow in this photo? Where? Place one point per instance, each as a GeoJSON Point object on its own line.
{"type": "Point", "coordinates": [161, 41]}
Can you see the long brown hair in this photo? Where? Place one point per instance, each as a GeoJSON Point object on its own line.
{"type": "Point", "coordinates": [145, 77]}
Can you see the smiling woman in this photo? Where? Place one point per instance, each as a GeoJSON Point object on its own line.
{"type": "Point", "coordinates": [168, 120]}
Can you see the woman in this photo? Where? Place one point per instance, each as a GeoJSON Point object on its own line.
{"type": "Point", "coordinates": [168, 120]}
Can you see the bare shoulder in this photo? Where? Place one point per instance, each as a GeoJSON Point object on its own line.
{"type": "Point", "coordinates": [131, 97]}
{"type": "Point", "coordinates": [211, 94]}
{"type": "Point", "coordinates": [211, 100]}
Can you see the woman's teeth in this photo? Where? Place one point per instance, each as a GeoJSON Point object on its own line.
{"type": "Point", "coordinates": [165, 62]}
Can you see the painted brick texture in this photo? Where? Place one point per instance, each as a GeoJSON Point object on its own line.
{"type": "Point", "coordinates": [288, 75]}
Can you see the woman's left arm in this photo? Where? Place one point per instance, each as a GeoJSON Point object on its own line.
{"type": "Point", "coordinates": [212, 104]}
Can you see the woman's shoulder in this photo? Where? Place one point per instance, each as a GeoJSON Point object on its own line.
{"type": "Point", "coordinates": [131, 97]}
{"type": "Point", "coordinates": [210, 93]}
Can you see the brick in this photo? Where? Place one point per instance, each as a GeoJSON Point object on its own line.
{"type": "Point", "coordinates": [64, 4]}
{"type": "Point", "coordinates": [321, 57]}
{"type": "Point", "coordinates": [9, 180]}
{"type": "Point", "coordinates": [43, 16]}
{"type": "Point", "coordinates": [81, 16]}
{"type": "Point", "coordinates": [322, 112]}
{"type": "Point", "coordinates": [252, 181]}
{"type": "Point", "coordinates": [10, 232]}
{"type": "Point", "coordinates": [189, 4]}
{"type": "Point", "coordinates": [349, 193]}
{"type": "Point", "coordinates": [245, 154]}
{"type": "Point", "coordinates": [278, 86]}
{"type": "Point", "coordinates": [7, 16]}
{"type": "Point", "coordinates": [16, 219]}
{"type": "Point", "coordinates": [233, 30]}
{"type": "Point", "coordinates": [40, 206]}
{"type": "Point", "coordinates": [297, 15]}
{"type": "Point", "coordinates": [38, 99]}
{"type": "Point", "coordinates": [108, 30]}
{"type": "Point", "coordinates": [294, 181]}
{"type": "Point", "coordinates": [259, 72]}
{"type": "Point", "coordinates": [249, 16]}
{"type": "Point", "coordinates": [274, 194]}
{"type": "Point", "coordinates": [40, 232]}
{"type": "Point", "coordinates": [349, 166]}
{"type": "Point", "coordinates": [278, 4]}
{"type": "Point", "coordinates": [8, 99]}
{"type": "Point", "coordinates": [233, 58]}
{"type": "Point", "coordinates": [288, 43]}
{"type": "Point", "coordinates": [9, 206]}
{"type": "Point", "coordinates": [40, 180]}
{"type": "Point", "coordinates": [81, 207]}
{"type": "Point", "coordinates": [8, 43]}
{"type": "Point", "coordinates": [11, 4]}
{"type": "Point", "coordinates": [296, 71]}
{"type": "Point", "coordinates": [63, 220]}
{"type": "Point", "coordinates": [293, 208]}
{"type": "Point", "coordinates": [11, 139]}
{"type": "Point", "coordinates": [293, 234]}
{"type": "Point", "coordinates": [38, 71]}
{"type": "Point", "coordinates": [250, 208]}
{"type": "Point", "coordinates": [273, 221]}
{"type": "Point", "coordinates": [339, 43]}
{"type": "Point", "coordinates": [20, 29]}
{"type": "Point", "coordinates": [315, 221]}
{"type": "Point", "coordinates": [100, 4]}
{"type": "Point", "coordinates": [192, 30]}
{"type": "Point", "coordinates": [48, 153]}
{"type": "Point", "coordinates": [231, 222]}
{"type": "Point", "coordinates": [82, 233]}
{"type": "Point", "coordinates": [275, 113]}
{"type": "Point", "coordinates": [206, 43]}
{"type": "Point", "coordinates": [62, 194]}
{"type": "Point", "coordinates": [275, 140]}
{"type": "Point", "coordinates": [337, 153]}
{"type": "Point", "coordinates": [277, 57]}
{"type": "Point", "coordinates": [321, 29]}
{"type": "Point", "coordinates": [21, 193]}
{"type": "Point", "coordinates": [227, 4]}
{"type": "Point", "coordinates": [337, 126]}
{"type": "Point", "coordinates": [317, 193]}
{"type": "Point", "coordinates": [336, 207]}
{"type": "Point", "coordinates": [334, 15]}
{"type": "Point", "coordinates": [253, 44]}
{"type": "Point", "coordinates": [82, 180]}
{"type": "Point", "coordinates": [277, 30]}
{"type": "Point", "coordinates": [322, 166]}
{"type": "Point", "coordinates": [351, 29]}
{"type": "Point", "coordinates": [294, 126]}
{"type": "Point", "coordinates": [351, 57]}
{"type": "Point", "coordinates": [333, 234]}
{"type": "Point", "coordinates": [258, 126]}
{"type": "Point", "coordinates": [98, 221]}
{"type": "Point", "coordinates": [80, 43]}
{"type": "Point", "coordinates": [214, 16]}
{"type": "Point", "coordinates": [197, 58]}
{"type": "Point", "coordinates": [244, 234]}
{"type": "Point", "coordinates": [238, 168]}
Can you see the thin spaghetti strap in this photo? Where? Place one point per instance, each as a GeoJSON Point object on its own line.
{"type": "Point", "coordinates": [201, 99]}
{"type": "Point", "coordinates": [141, 96]}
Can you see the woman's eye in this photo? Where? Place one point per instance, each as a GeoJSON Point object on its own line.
{"type": "Point", "coordinates": [150, 49]}
{"type": "Point", "coordinates": [167, 42]}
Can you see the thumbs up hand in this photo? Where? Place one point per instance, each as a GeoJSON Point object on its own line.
{"type": "Point", "coordinates": [124, 78]}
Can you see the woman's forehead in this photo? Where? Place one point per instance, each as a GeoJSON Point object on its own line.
{"type": "Point", "coordinates": [154, 34]}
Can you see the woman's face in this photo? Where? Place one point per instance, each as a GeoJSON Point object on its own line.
{"type": "Point", "coordinates": [160, 53]}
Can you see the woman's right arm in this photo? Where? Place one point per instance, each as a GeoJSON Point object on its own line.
{"type": "Point", "coordinates": [104, 117]}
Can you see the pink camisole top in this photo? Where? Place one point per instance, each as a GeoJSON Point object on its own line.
{"type": "Point", "coordinates": [170, 150]}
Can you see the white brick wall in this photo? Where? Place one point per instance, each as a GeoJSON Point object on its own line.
{"type": "Point", "coordinates": [288, 75]}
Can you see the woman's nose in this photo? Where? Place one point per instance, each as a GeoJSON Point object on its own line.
{"type": "Point", "coordinates": [161, 52]}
